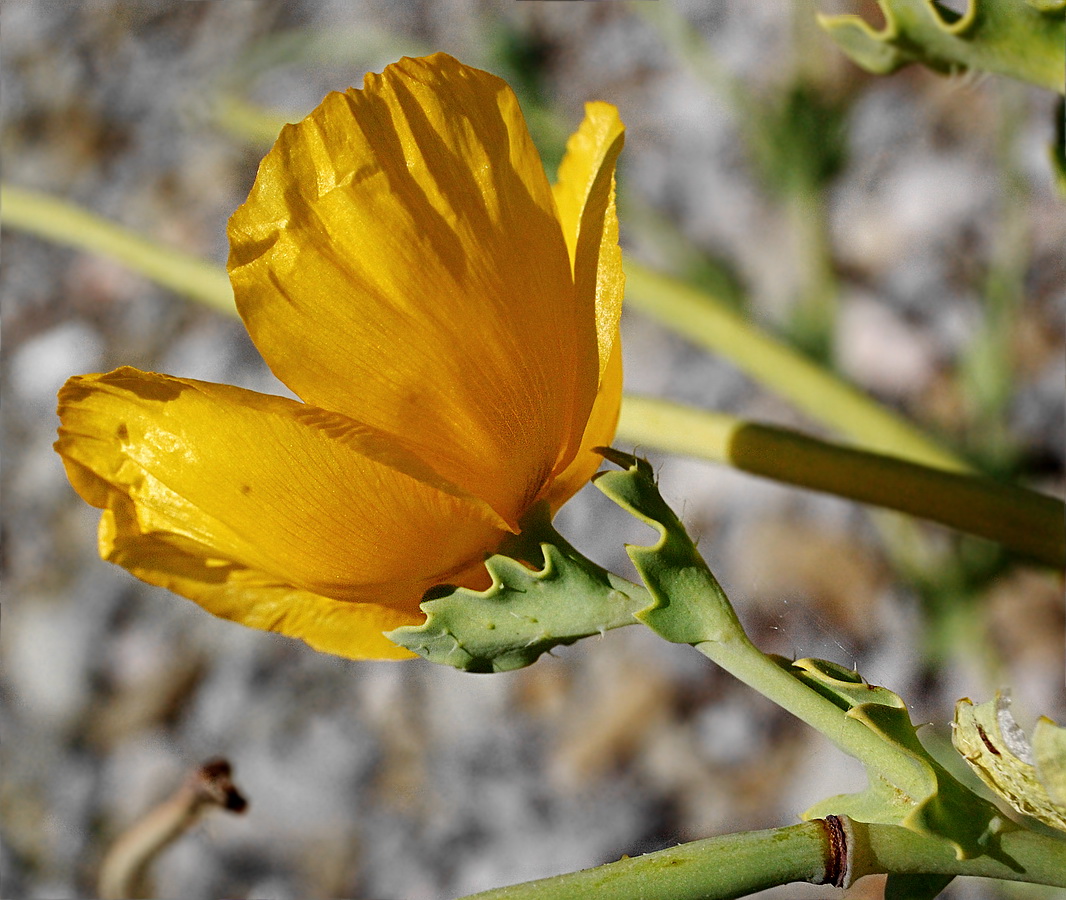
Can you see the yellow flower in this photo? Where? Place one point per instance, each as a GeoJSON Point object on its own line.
{"type": "Point", "coordinates": [450, 322]}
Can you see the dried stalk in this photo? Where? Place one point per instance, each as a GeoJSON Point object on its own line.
{"type": "Point", "coordinates": [123, 869]}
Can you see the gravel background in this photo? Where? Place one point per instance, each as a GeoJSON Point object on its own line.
{"type": "Point", "coordinates": [392, 781]}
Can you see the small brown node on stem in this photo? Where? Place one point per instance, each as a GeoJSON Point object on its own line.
{"type": "Point", "coordinates": [837, 852]}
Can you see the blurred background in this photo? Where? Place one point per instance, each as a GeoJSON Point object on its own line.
{"type": "Point", "coordinates": [905, 230]}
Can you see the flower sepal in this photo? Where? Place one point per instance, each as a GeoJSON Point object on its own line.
{"type": "Point", "coordinates": [544, 594]}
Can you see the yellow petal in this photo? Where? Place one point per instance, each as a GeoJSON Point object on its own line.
{"type": "Point", "coordinates": [399, 261]}
{"type": "Point", "coordinates": [248, 490]}
{"type": "Point", "coordinates": [585, 196]}
{"type": "Point", "coordinates": [341, 627]}
{"type": "Point", "coordinates": [598, 433]}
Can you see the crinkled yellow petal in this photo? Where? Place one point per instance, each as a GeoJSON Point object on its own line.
{"type": "Point", "coordinates": [598, 433]}
{"type": "Point", "coordinates": [341, 627]}
{"type": "Point", "coordinates": [399, 260]}
{"type": "Point", "coordinates": [585, 197]}
{"type": "Point", "coordinates": [244, 502]}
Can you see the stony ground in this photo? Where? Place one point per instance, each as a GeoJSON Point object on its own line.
{"type": "Point", "coordinates": [404, 782]}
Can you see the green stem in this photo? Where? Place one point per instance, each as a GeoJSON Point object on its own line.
{"type": "Point", "coordinates": [1017, 855]}
{"type": "Point", "coordinates": [1028, 523]}
{"type": "Point", "coordinates": [653, 424]}
{"type": "Point", "coordinates": [815, 312]}
{"type": "Point", "coordinates": [252, 123]}
{"type": "Point", "coordinates": [713, 869]}
{"type": "Point", "coordinates": [67, 224]}
{"type": "Point", "coordinates": [737, 655]}
{"type": "Point", "coordinates": [817, 392]}
{"type": "Point", "coordinates": [736, 865]}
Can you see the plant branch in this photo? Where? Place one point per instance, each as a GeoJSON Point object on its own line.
{"type": "Point", "coordinates": [693, 314]}
{"type": "Point", "coordinates": [125, 864]}
{"type": "Point", "coordinates": [738, 656]}
{"type": "Point", "coordinates": [834, 850]}
{"type": "Point", "coordinates": [1026, 522]}
{"type": "Point", "coordinates": [1016, 855]}
{"type": "Point", "coordinates": [713, 869]}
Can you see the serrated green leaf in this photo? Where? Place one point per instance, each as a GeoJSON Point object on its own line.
{"type": "Point", "coordinates": [525, 613]}
{"type": "Point", "coordinates": [1008, 37]}
{"type": "Point", "coordinates": [671, 567]}
{"type": "Point", "coordinates": [845, 687]}
{"type": "Point", "coordinates": [1029, 777]}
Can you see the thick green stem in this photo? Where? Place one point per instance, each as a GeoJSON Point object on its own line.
{"type": "Point", "coordinates": [690, 607]}
{"type": "Point", "coordinates": [817, 392]}
{"type": "Point", "coordinates": [714, 869]}
{"type": "Point", "coordinates": [649, 423]}
{"type": "Point", "coordinates": [1028, 523]}
{"type": "Point", "coordinates": [1017, 855]}
{"type": "Point", "coordinates": [817, 852]}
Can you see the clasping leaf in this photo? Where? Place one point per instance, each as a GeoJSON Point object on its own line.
{"type": "Point", "coordinates": [526, 611]}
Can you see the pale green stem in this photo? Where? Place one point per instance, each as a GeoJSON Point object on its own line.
{"type": "Point", "coordinates": [250, 122]}
{"type": "Point", "coordinates": [64, 223]}
{"type": "Point", "coordinates": [649, 423]}
{"type": "Point", "coordinates": [736, 865]}
{"type": "Point", "coordinates": [819, 393]}
{"type": "Point", "coordinates": [815, 312]}
{"type": "Point", "coordinates": [1028, 523]}
{"type": "Point", "coordinates": [714, 869]}
{"type": "Point", "coordinates": [737, 655]}
{"type": "Point", "coordinates": [1016, 855]}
